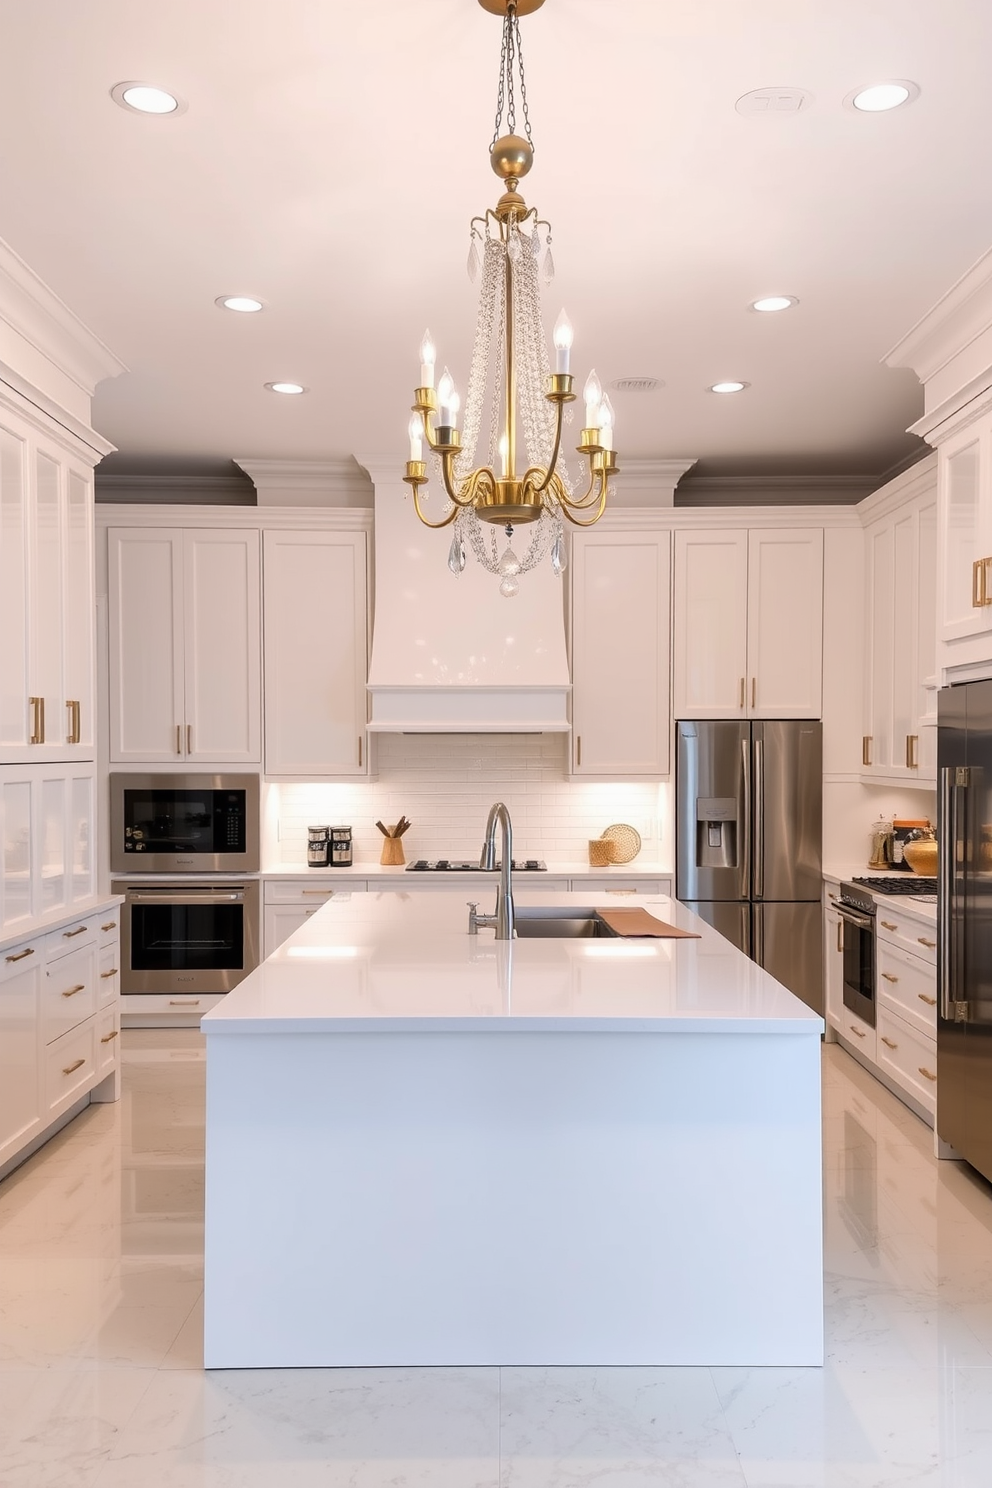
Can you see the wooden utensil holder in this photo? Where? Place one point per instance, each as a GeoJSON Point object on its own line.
{"type": "Point", "coordinates": [392, 855]}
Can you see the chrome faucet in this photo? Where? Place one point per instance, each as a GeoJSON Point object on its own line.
{"type": "Point", "coordinates": [502, 920]}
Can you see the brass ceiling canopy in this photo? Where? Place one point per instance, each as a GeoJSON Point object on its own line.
{"type": "Point", "coordinates": [510, 367]}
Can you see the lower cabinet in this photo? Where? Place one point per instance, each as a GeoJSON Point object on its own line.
{"type": "Point", "coordinates": [289, 903]}
{"type": "Point", "coordinates": [59, 1027]}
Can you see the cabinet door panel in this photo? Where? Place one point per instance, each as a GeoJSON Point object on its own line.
{"type": "Point", "coordinates": [19, 852]}
{"type": "Point", "coordinates": [222, 648]}
{"type": "Point", "coordinates": [785, 623]}
{"type": "Point", "coordinates": [20, 1069]}
{"type": "Point", "coordinates": [14, 687]}
{"type": "Point", "coordinates": [620, 643]}
{"type": "Point", "coordinates": [315, 653]}
{"type": "Point", "coordinates": [904, 658]}
{"type": "Point", "coordinates": [146, 644]}
{"type": "Point", "coordinates": [79, 640]}
{"type": "Point", "coordinates": [46, 597]}
{"type": "Point", "coordinates": [710, 624]}
{"type": "Point", "coordinates": [881, 618]}
{"type": "Point", "coordinates": [964, 473]}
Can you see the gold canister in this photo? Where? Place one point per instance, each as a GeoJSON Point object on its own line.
{"type": "Point", "coordinates": [600, 852]}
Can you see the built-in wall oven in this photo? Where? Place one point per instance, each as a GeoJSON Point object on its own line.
{"type": "Point", "coordinates": [856, 908]}
{"type": "Point", "coordinates": [184, 823]}
{"type": "Point", "coordinates": [183, 938]}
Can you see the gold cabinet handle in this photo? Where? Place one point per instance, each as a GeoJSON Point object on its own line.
{"type": "Point", "coordinates": [928, 1074]}
{"type": "Point", "coordinates": [912, 761]}
{"type": "Point", "coordinates": [79, 987]}
{"type": "Point", "coordinates": [930, 1001]}
{"type": "Point", "coordinates": [980, 596]}
{"type": "Point", "coordinates": [189, 738]}
{"type": "Point", "coordinates": [359, 751]}
{"type": "Point", "coordinates": [68, 1069]}
{"type": "Point", "coordinates": [888, 925]}
{"type": "Point", "coordinates": [326, 892]}
{"type": "Point", "coordinates": [20, 955]}
{"type": "Point", "coordinates": [831, 896]}
{"type": "Point", "coordinates": [888, 1042]}
{"type": "Point", "coordinates": [177, 1002]}
{"type": "Point", "coordinates": [888, 977]}
{"type": "Point", "coordinates": [179, 738]}
{"type": "Point", "coordinates": [75, 734]}
{"type": "Point", "coordinates": [840, 935]}
{"type": "Point", "coordinates": [742, 692]}
{"type": "Point", "coordinates": [68, 934]}
{"type": "Point", "coordinates": [860, 1032]}
{"type": "Point", "coordinates": [578, 749]}
{"type": "Point", "coordinates": [37, 720]}
{"type": "Point", "coordinates": [931, 945]}
{"type": "Point", "coordinates": [109, 1038]}
{"type": "Point", "coordinates": [110, 925]}
{"type": "Point", "coordinates": [866, 743]}
{"type": "Point", "coordinates": [105, 975]}
{"type": "Point", "coordinates": [754, 692]}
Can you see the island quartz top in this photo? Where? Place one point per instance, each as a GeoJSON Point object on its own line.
{"type": "Point", "coordinates": [395, 962]}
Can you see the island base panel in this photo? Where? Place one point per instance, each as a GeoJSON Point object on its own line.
{"type": "Point", "coordinates": [513, 1198]}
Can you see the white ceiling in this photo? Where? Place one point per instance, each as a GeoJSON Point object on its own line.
{"type": "Point", "coordinates": [332, 155]}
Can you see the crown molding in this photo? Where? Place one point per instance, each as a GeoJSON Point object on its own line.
{"type": "Point", "coordinates": [775, 490]}
{"type": "Point", "coordinates": [174, 490]}
{"type": "Point", "coordinates": [308, 482]}
{"type": "Point", "coordinates": [954, 323]}
{"type": "Point", "coordinates": [920, 479]}
{"type": "Point", "coordinates": [36, 313]}
{"type": "Point", "coordinates": [48, 416]}
{"type": "Point", "coordinates": [649, 482]}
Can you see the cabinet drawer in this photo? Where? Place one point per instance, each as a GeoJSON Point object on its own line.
{"type": "Point", "coordinates": [71, 938]}
{"type": "Point", "coordinates": [309, 894]}
{"type": "Point", "coordinates": [908, 1057]}
{"type": "Point", "coordinates": [69, 994]}
{"type": "Point", "coordinates": [857, 1034]}
{"type": "Point", "coordinates": [912, 935]}
{"type": "Point", "coordinates": [109, 926]}
{"type": "Point", "coordinates": [108, 1029]}
{"type": "Point", "coordinates": [108, 982]}
{"type": "Point", "coordinates": [70, 1067]}
{"type": "Point", "coordinates": [183, 1012]}
{"type": "Point", "coordinates": [907, 985]}
{"type": "Point", "coordinates": [21, 957]}
{"type": "Point", "coordinates": [622, 885]}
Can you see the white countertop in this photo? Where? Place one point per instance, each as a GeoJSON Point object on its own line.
{"type": "Point", "coordinates": [405, 962]}
{"type": "Point", "coordinates": [372, 868]}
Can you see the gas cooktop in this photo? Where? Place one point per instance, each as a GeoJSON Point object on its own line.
{"type": "Point", "coordinates": [452, 865]}
{"type": "Point", "coordinates": [908, 883]}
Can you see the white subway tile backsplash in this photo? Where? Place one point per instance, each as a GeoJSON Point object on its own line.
{"type": "Point", "coordinates": [445, 784]}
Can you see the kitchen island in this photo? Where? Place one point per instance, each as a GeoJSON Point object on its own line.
{"type": "Point", "coordinates": [426, 1147]}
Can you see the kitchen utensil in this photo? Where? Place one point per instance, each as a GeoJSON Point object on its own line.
{"type": "Point", "coordinates": [601, 852]}
{"type": "Point", "coordinates": [626, 842]}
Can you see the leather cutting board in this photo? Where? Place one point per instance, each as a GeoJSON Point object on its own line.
{"type": "Point", "coordinates": [634, 922]}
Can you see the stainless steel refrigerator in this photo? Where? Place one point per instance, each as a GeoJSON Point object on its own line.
{"type": "Point", "coordinates": [748, 841]}
{"type": "Point", "coordinates": [964, 923]}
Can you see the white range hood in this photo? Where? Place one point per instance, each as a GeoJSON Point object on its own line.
{"type": "Point", "coordinates": [451, 655]}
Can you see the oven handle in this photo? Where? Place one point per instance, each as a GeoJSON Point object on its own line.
{"type": "Point", "coordinates": [863, 922]}
{"type": "Point", "coordinates": [186, 896]}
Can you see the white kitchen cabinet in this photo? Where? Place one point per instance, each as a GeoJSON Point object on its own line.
{"type": "Point", "coordinates": [316, 653]}
{"type": "Point", "coordinates": [833, 963]}
{"type": "Point", "coordinates": [289, 903]}
{"type": "Point", "coordinates": [185, 645]}
{"type": "Point", "coordinates": [22, 969]}
{"type": "Point", "coordinates": [900, 683]}
{"type": "Point", "coordinates": [965, 480]}
{"type": "Point", "coordinates": [748, 629]}
{"type": "Point", "coordinates": [621, 602]}
{"type": "Point", "coordinates": [47, 824]}
{"type": "Point", "coordinates": [47, 614]}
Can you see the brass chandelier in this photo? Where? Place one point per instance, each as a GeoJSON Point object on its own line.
{"type": "Point", "coordinates": [510, 376]}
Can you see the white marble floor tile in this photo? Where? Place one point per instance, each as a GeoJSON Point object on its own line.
{"type": "Point", "coordinates": [313, 1428]}
{"type": "Point", "coordinates": [614, 1428]}
{"type": "Point", "coordinates": [58, 1426]}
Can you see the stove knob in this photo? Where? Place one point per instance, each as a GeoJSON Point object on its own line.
{"type": "Point", "coordinates": [531, 863]}
{"type": "Point", "coordinates": [441, 864]}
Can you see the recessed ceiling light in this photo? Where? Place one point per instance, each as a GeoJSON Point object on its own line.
{"type": "Point", "coordinates": [878, 98]}
{"type": "Point", "coordinates": [728, 387]}
{"type": "Point", "coordinates": [770, 303]}
{"type": "Point", "coordinates": [285, 387]}
{"type": "Point", "coordinates": [145, 98]}
{"type": "Point", "coordinates": [247, 304]}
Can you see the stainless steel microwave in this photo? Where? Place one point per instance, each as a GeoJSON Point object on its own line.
{"type": "Point", "coordinates": [184, 823]}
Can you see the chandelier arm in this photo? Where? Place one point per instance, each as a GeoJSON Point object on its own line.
{"type": "Point", "coordinates": [444, 522]}
{"type": "Point", "coordinates": [470, 486]}
{"type": "Point", "coordinates": [601, 507]}
{"type": "Point", "coordinates": [552, 463]}
{"type": "Point", "coordinates": [590, 496]}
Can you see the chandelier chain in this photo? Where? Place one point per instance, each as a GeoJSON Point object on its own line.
{"type": "Point", "coordinates": [511, 59]}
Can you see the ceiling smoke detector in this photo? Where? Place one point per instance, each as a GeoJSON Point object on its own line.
{"type": "Point", "coordinates": [774, 101]}
{"type": "Point", "coordinates": [636, 384]}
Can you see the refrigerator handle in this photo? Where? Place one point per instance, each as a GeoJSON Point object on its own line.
{"type": "Point", "coordinates": [746, 832]}
{"type": "Point", "coordinates": [946, 866]}
{"type": "Point", "coordinates": [759, 819]}
{"type": "Point", "coordinates": [758, 920]}
{"type": "Point", "coordinates": [746, 929]}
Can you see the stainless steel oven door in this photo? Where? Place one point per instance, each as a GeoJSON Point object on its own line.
{"type": "Point", "coordinates": [859, 962]}
{"type": "Point", "coordinates": [188, 937]}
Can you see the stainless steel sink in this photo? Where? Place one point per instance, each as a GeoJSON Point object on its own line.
{"type": "Point", "coordinates": [554, 922]}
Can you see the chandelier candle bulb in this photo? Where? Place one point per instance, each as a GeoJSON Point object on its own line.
{"type": "Point", "coordinates": [427, 358]}
{"type": "Point", "coordinates": [504, 456]}
{"type": "Point", "coordinates": [563, 342]}
{"type": "Point", "coordinates": [593, 395]}
{"type": "Point", "coordinates": [416, 438]}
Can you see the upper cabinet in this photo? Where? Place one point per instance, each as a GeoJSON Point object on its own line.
{"type": "Point", "coordinates": [621, 716]}
{"type": "Point", "coordinates": [748, 630]}
{"type": "Point", "coordinates": [47, 612]}
{"type": "Point", "coordinates": [900, 684]}
{"type": "Point", "coordinates": [316, 653]}
{"type": "Point", "coordinates": [965, 464]}
{"type": "Point", "coordinates": [185, 645]}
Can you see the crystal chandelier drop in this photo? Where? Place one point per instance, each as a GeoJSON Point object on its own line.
{"type": "Point", "coordinates": [515, 406]}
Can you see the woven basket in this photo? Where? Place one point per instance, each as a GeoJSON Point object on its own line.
{"type": "Point", "coordinates": [600, 852]}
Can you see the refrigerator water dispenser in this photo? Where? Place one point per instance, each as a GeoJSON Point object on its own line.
{"type": "Point", "coordinates": [716, 832]}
